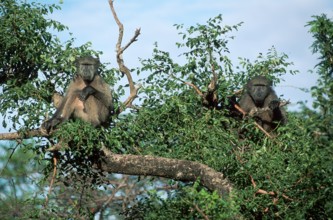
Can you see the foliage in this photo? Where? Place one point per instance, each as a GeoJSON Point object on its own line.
{"type": "Point", "coordinates": [322, 30]}
{"type": "Point", "coordinates": [19, 172]}
{"type": "Point", "coordinates": [187, 203]}
{"type": "Point", "coordinates": [34, 62]}
{"type": "Point", "coordinates": [287, 177]}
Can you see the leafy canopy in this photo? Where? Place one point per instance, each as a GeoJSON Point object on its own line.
{"type": "Point", "coordinates": [294, 169]}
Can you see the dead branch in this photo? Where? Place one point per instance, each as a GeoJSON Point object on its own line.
{"type": "Point", "coordinates": [271, 193]}
{"type": "Point", "coordinates": [120, 50]}
{"type": "Point", "coordinates": [263, 130]}
{"type": "Point", "coordinates": [211, 97]}
{"type": "Point", "coordinates": [240, 109]}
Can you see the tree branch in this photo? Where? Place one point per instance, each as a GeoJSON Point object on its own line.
{"type": "Point", "coordinates": [189, 84]}
{"type": "Point", "coordinates": [23, 135]}
{"type": "Point", "coordinates": [123, 69]}
{"type": "Point", "coordinates": [182, 170]}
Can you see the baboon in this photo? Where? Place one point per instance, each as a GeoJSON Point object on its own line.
{"type": "Point", "coordinates": [88, 96]}
{"type": "Point", "coordinates": [259, 95]}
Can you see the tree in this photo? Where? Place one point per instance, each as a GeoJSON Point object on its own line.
{"type": "Point", "coordinates": [185, 128]}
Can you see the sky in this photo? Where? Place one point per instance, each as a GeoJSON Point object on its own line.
{"type": "Point", "coordinates": [267, 23]}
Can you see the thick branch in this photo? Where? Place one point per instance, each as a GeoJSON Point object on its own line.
{"type": "Point", "coordinates": [26, 135]}
{"type": "Point", "coordinates": [123, 69]}
{"type": "Point", "coordinates": [182, 170]}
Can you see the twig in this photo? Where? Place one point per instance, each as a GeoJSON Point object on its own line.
{"type": "Point", "coordinates": [271, 193]}
{"type": "Point", "coordinates": [240, 109]}
{"type": "Point", "coordinates": [52, 180]}
{"type": "Point", "coordinates": [10, 156]}
{"type": "Point", "coordinates": [201, 212]}
{"type": "Point", "coordinates": [189, 84]}
{"type": "Point", "coordinates": [263, 130]}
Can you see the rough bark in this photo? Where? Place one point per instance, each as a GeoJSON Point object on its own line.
{"type": "Point", "coordinates": [183, 170]}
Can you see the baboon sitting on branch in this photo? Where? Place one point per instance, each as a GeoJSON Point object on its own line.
{"type": "Point", "coordinates": [88, 97]}
{"type": "Point", "coordinates": [260, 98]}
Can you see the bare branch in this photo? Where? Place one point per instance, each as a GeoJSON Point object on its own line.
{"type": "Point", "coordinates": [237, 107]}
{"type": "Point", "coordinates": [134, 38]}
{"type": "Point", "coordinates": [23, 135]}
{"type": "Point", "coordinates": [123, 69]}
{"type": "Point", "coordinates": [189, 84]}
{"type": "Point", "coordinates": [211, 97]}
{"type": "Point", "coordinates": [263, 130]}
{"type": "Point", "coordinates": [240, 109]}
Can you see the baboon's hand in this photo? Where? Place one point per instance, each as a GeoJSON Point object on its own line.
{"type": "Point", "coordinates": [274, 104]}
{"type": "Point", "coordinates": [51, 123]}
{"type": "Point", "coordinates": [86, 92]}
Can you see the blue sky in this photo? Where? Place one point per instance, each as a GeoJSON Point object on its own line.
{"type": "Point", "coordinates": [267, 23]}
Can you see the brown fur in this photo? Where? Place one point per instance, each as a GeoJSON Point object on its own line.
{"type": "Point", "coordinates": [269, 112]}
{"type": "Point", "coordinates": [95, 109]}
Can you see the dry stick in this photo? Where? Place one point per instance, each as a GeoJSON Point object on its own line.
{"type": "Point", "coordinates": [211, 95]}
{"type": "Point", "coordinates": [212, 84]}
{"type": "Point", "coordinates": [240, 109]}
{"type": "Point", "coordinates": [263, 130]}
{"type": "Point", "coordinates": [201, 212]}
{"type": "Point", "coordinates": [52, 180]}
{"type": "Point", "coordinates": [194, 87]}
{"type": "Point", "coordinates": [123, 69]}
{"type": "Point", "coordinates": [271, 193]}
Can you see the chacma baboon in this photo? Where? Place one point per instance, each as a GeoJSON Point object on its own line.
{"type": "Point", "coordinates": [88, 96]}
{"type": "Point", "coordinates": [259, 95]}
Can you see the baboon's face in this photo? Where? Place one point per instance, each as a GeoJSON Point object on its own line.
{"type": "Point", "coordinates": [87, 71]}
{"type": "Point", "coordinates": [87, 68]}
{"type": "Point", "coordinates": [259, 92]}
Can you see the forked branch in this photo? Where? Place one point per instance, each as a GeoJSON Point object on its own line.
{"type": "Point", "coordinates": [120, 50]}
